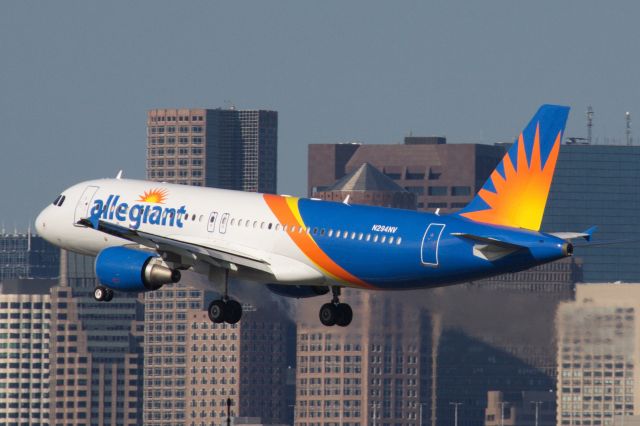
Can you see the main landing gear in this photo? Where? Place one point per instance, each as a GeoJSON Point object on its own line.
{"type": "Point", "coordinates": [336, 313]}
{"type": "Point", "coordinates": [102, 294]}
{"type": "Point", "coordinates": [225, 309]}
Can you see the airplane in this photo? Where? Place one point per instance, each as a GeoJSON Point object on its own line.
{"type": "Point", "coordinates": [144, 233]}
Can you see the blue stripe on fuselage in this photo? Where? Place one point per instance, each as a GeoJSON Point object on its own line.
{"type": "Point", "coordinates": [393, 266]}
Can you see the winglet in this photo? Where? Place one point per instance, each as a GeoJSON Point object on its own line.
{"type": "Point", "coordinates": [589, 233]}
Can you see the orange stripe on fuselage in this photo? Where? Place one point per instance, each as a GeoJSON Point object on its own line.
{"type": "Point", "coordinates": [283, 208]}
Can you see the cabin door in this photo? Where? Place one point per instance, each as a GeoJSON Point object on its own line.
{"type": "Point", "coordinates": [430, 243]}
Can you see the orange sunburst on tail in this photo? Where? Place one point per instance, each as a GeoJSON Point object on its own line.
{"type": "Point", "coordinates": [157, 196]}
{"type": "Point", "coordinates": [521, 195]}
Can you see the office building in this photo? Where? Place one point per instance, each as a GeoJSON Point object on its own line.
{"type": "Point", "coordinates": [442, 176]}
{"type": "Point", "coordinates": [598, 355]}
{"type": "Point", "coordinates": [27, 256]}
{"type": "Point", "coordinates": [372, 372]}
{"type": "Point", "coordinates": [25, 314]}
{"type": "Point", "coordinates": [96, 354]}
{"type": "Point", "coordinates": [520, 409]}
{"type": "Point", "coordinates": [166, 326]}
{"type": "Point", "coordinates": [597, 185]}
{"type": "Point", "coordinates": [244, 362]}
{"type": "Point", "coordinates": [222, 148]}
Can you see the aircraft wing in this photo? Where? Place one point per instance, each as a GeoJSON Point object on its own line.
{"type": "Point", "coordinates": [223, 257]}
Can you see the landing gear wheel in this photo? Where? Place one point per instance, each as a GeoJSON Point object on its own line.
{"type": "Point", "coordinates": [100, 293]}
{"type": "Point", "coordinates": [216, 311]}
{"type": "Point", "coordinates": [109, 295]}
{"type": "Point", "coordinates": [328, 314]}
{"type": "Point", "coordinates": [232, 312]}
{"type": "Point", "coordinates": [345, 314]}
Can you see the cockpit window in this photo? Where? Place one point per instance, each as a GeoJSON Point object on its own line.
{"type": "Point", "coordinates": [61, 201]}
{"type": "Point", "coordinates": [55, 202]}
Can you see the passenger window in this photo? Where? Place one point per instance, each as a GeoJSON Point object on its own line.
{"type": "Point", "coordinates": [390, 240]}
{"type": "Point", "coordinates": [322, 232]}
{"type": "Point", "coordinates": [270, 225]}
{"type": "Point", "coordinates": [193, 217]}
{"type": "Point", "coordinates": [368, 237]}
{"type": "Point", "coordinates": [353, 235]}
{"type": "Point", "coordinates": [360, 235]}
{"type": "Point", "coordinates": [345, 235]}
{"type": "Point", "coordinates": [398, 241]}
{"type": "Point", "coordinates": [375, 238]}
{"type": "Point", "coordinates": [315, 231]}
{"type": "Point", "coordinates": [255, 224]}
{"type": "Point", "coordinates": [383, 239]}
{"type": "Point", "coordinates": [233, 222]}
{"type": "Point", "coordinates": [330, 232]}
{"type": "Point", "coordinates": [262, 225]}
{"type": "Point", "coordinates": [277, 226]}
{"type": "Point", "coordinates": [338, 233]}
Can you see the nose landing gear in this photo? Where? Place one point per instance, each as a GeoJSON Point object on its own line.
{"type": "Point", "coordinates": [336, 313]}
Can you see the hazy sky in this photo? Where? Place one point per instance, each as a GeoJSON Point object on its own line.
{"type": "Point", "coordinates": [76, 78]}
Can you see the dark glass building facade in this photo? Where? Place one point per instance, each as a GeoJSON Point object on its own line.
{"type": "Point", "coordinates": [599, 185]}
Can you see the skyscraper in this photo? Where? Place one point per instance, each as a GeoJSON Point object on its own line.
{"type": "Point", "coordinates": [25, 312]}
{"type": "Point", "coordinates": [27, 256]}
{"type": "Point", "coordinates": [96, 356]}
{"type": "Point", "coordinates": [222, 148]}
{"type": "Point", "coordinates": [244, 362]}
{"type": "Point", "coordinates": [373, 372]}
{"type": "Point", "coordinates": [598, 354]}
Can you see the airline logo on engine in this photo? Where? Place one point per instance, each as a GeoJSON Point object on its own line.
{"type": "Point", "coordinates": [141, 212]}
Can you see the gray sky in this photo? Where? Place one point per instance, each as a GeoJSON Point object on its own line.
{"type": "Point", "coordinates": [76, 78]}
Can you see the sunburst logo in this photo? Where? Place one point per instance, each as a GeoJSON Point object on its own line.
{"type": "Point", "coordinates": [157, 196]}
{"type": "Point", "coordinates": [521, 194]}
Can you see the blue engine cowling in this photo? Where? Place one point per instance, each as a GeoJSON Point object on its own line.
{"type": "Point", "coordinates": [298, 291]}
{"type": "Point", "coordinates": [130, 270]}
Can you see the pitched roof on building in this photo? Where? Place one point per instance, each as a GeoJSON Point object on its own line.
{"type": "Point", "coordinates": [366, 178]}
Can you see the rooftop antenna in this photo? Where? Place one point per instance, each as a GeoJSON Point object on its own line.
{"type": "Point", "coordinates": [627, 117]}
{"type": "Point", "coordinates": [589, 124]}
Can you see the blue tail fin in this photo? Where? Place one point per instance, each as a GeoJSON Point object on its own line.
{"type": "Point", "coordinates": [516, 192]}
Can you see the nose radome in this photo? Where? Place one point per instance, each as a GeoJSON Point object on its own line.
{"type": "Point", "coordinates": [41, 224]}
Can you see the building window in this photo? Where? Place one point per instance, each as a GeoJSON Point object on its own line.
{"type": "Point", "coordinates": [460, 190]}
{"type": "Point", "coordinates": [437, 190]}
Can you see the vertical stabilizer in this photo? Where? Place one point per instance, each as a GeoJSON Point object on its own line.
{"type": "Point", "coordinates": [516, 192]}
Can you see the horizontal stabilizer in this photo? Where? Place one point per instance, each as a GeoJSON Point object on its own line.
{"type": "Point", "coordinates": [573, 235]}
{"type": "Point", "coordinates": [490, 248]}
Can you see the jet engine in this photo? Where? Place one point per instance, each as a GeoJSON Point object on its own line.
{"type": "Point", "coordinates": [298, 291]}
{"type": "Point", "coordinates": [131, 270]}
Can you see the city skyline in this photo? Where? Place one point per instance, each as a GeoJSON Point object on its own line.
{"type": "Point", "coordinates": [79, 78]}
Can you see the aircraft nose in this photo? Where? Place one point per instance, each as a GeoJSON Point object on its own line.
{"type": "Point", "coordinates": [41, 223]}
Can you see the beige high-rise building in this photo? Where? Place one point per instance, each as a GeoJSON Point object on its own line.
{"type": "Point", "coordinates": [25, 316]}
{"type": "Point", "coordinates": [222, 148]}
{"type": "Point", "coordinates": [244, 362]}
{"type": "Point", "coordinates": [598, 354]}
{"type": "Point", "coordinates": [95, 357]}
{"type": "Point", "coordinates": [376, 371]}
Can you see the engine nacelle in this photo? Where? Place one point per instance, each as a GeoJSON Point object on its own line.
{"type": "Point", "coordinates": [298, 291]}
{"type": "Point", "coordinates": [125, 269]}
